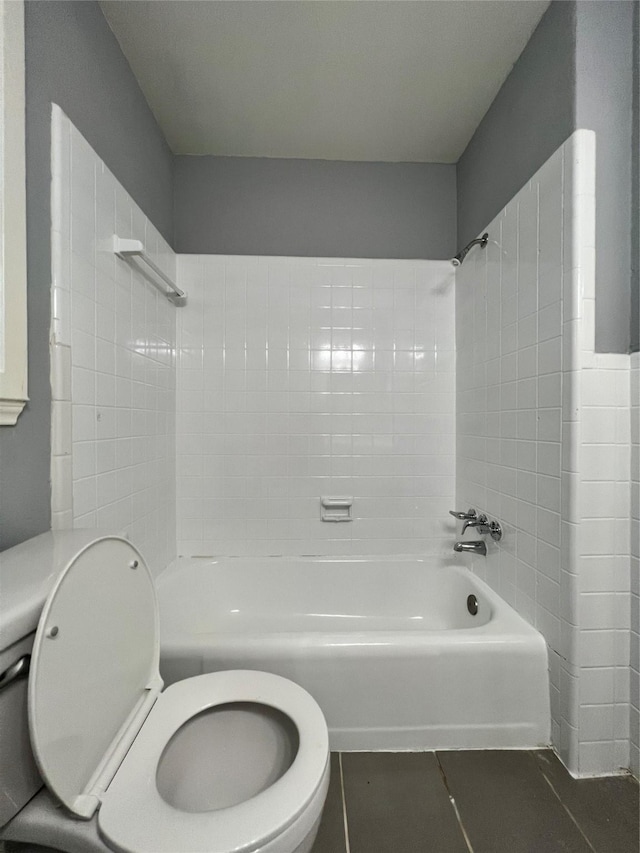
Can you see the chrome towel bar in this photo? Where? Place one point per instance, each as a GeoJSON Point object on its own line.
{"type": "Point", "coordinates": [128, 249]}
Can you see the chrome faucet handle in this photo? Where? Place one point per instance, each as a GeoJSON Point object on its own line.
{"type": "Point", "coordinates": [463, 516]}
{"type": "Point", "coordinates": [495, 531]}
{"type": "Point", "coordinates": [480, 523]}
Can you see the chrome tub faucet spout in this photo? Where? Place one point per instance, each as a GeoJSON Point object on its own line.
{"type": "Point", "coordinates": [476, 546]}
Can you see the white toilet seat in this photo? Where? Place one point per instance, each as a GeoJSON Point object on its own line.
{"type": "Point", "coordinates": [134, 818]}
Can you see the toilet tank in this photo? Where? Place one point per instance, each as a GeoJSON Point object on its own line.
{"type": "Point", "coordinates": [27, 573]}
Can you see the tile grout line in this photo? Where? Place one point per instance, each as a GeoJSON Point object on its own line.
{"type": "Point", "coordinates": [344, 807]}
{"type": "Point", "coordinates": [567, 809]}
{"type": "Point", "coordinates": [453, 804]}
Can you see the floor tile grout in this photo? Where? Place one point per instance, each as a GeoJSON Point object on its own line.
{"type": "Point", "coordinates": [344, 807]}
{"type": "Point", "coordinates": [445, 782]}
{"type": "Point", "coordinates": [566, 808]}
{"type": "Point", "coordinates": [565, 822]}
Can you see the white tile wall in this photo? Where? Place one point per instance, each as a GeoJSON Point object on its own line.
{"type": "Point", "coordinates": [304, 377]}
{"type": "Point", "coordinates": [596, 462]}
{"type": "Point", "coordinates": [543, 446]}
{"type": "Point", "coordinates": [112, 359]}
{"type": "Point", "coordinates": [599, 518]}
{"type": "Point", "coordinates": [634, 693]}
{"type": "Point", "coordinates": [509, 402]}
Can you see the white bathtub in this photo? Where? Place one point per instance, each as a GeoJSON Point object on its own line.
{"type": "Point", "coordinates": [387, 646]}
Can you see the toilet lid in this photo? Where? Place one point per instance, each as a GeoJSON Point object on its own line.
{"type": "Point", "coordinates": [94, 670]}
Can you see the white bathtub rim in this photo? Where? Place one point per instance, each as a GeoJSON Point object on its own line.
{"type": "Point", "coordinates": [504, 621]}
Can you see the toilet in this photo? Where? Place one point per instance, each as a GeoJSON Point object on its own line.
{"type": "Point", "coordinates": [227, 761]}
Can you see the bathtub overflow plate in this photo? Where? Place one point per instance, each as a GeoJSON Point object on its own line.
{"type": "Point", "coordinates": [472, 604]}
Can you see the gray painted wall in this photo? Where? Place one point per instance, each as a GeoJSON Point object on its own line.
{"type": "Point", "coordinates": [635, 191]}
{"type": "Point", "coordinates": [604, 103]}
{"type": "Point", "coordinates": [530, 117]}
{"type": "Point", "coordinates": [576, 71]}
{"type": "Point", "coordinates": [260, 206]}
{"type": "Point", "coordinates": [74, 60]}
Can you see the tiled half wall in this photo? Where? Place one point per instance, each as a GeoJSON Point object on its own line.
{"type": "Point", "coordinates": [300, 378]}
{"type": "Point", "coordinates": [112, 359]}
{"type": "Point", "coordinates": [543, 446]}
{"type": "Point", "coordinates": [634, 704]}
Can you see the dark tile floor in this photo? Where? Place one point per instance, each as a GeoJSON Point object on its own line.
{"type": "Point", "coordinates": [474, 802]}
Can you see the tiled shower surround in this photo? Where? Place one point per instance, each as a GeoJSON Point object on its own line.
{"type": "Point", "coordinates": [543, 445]}
{"type": "Point", "coordinates": [112, 359]}
{"type": "Point", "coordinates": [300, 378]}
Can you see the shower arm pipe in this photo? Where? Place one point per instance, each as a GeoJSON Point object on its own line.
{"type": "Point", "coordinates": [127, 249]}
{"type": "Point", "coordinates": [479, 241]}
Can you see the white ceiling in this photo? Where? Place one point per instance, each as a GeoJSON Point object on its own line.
{"type": "Point", "coordinates": [330, 79]}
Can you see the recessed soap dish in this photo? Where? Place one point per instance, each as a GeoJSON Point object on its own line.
{"type": "Point", "coordinates": [335, 509]}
